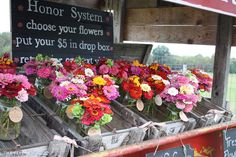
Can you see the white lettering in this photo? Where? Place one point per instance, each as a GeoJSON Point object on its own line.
{"type": "Point", "coordinates": [24, 41]}
{"type": "Point", "coordinates": [85, 16]}
{"type": "Point", "coordinates": [67, 29]}
{"type": "Point", "coordinates": [44, 42]}
{"type": "Point", "coordinates": [34, 7]}
{"type": "Point", "coordinates": [103, 47]}
{"type": "Point", "coordinates": [87, 46]}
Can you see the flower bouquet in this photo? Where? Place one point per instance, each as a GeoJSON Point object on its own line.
{"type": "Point", "coordinates": [181, 95]}
{"type": "Point", "coordinates": [42, 69]}
{"type": "Point", "coordinates": [204, 81]}
{"type": "Point", "coordinates": [84, 96]}
{"type": "Point", "coordinates": [7, 65]}
{"type": "Point", "coordinates": [14, 89]}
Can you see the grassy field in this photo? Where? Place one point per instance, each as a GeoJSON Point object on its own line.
{"type": "Point", "coordinates": [231, 93]}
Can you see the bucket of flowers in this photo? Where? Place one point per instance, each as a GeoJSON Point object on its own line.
{"type": "Point", "coordinates": [156, 94]}
{"type": "Point", "coordinates": [6, 64]}
{"type": "Point", "coordinates": [42, 69]}
{"type": "Point", "coordinates": [14, 89]}
{"type": "Point", "coordinates": [206, 112]}
{"type": "Point", "coordinates": [85, 97]}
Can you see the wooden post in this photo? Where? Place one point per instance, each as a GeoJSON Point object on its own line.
{"type": "Point", "coordinates": [222, 60]}
{"type": "Point", "coordinates": [118, 20]}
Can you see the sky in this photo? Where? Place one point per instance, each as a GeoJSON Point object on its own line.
{"type": "Point", "coordinates": [176, 49]}
{"type": "Point", "coordinates": [5, 16]}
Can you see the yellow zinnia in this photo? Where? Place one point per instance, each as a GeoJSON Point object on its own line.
{"type": "Point", "coordinates": [135, 80]}
{"type": "Point", "coordinates": [137, 64]}
{"type": "Point", "coordinates": [99, 81]}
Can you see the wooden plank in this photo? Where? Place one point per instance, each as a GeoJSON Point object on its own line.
{"type": "Point", "coordinates": [170, 16]}
{"type": "Point", "coordinates": [204, 35]}
{"type": "Point", "coordinates": [222, 60]}
{"type": "Point", "coordinates": [131, 52]}
{"type": "Point", "coordinates": [118, 20]}
{"type": "Point", "coordinates": [171, 34]}
{"type": "Point", "coordinates": [141, 3]}
{"type": "Point", "coordinates": [83, 3]}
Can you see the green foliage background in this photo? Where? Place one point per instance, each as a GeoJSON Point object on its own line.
{"type": "Point", "coordinates": [5, 42]}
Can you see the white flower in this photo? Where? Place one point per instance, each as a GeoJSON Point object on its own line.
{"type": "Point", "coordinates": [83, 98]}
{"type": "Point", "coordinates": [77, 81]}
{"type": "Point", "coordinates": [22, 95]}
{"type": "Point", "coordinates": [56, 62]}
{"type": "Point", "coordinates": [65, 83]}
{"type": "Point", "coordinates": [145, 87]}
{"type": "Point", "coordinates": [156, 77]}
{"type": "Point", "coordinates": [172, 91]}
{"type": "Point", "coordinates": [59, 74]}
{"type": "Point", "coordinates": [166, 82]}
{"type": "Point", "coordinates": [187, 89]}
{"type": "Point", "coordinates": [89, 72]}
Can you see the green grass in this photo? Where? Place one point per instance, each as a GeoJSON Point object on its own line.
{"type": "Point", "coordinates": [231, 93]}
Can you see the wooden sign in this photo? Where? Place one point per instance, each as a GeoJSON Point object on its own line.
{"type": "Point", "coordinates": [59, 30]}
{"type": "Point", "coordinates": [227, 7]}
{"type": "Point", "coordinates": [229, 138]}
{"type": "Point", "coordinates": [181, 151]}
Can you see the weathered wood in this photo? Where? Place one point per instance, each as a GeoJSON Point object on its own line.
{"type": "Point", "coordinates": [172, 34]}
{"type": "Point", "coordinates": [172, 25]}
{"type": "Point", "coordinates": [132, 52]}
{"type": "Point", "coordinates": [206, 114]}
{"type": "Point", "coordinates": [147, 54]}
{"type": "Point", "coordinates": [222, 60]}
{"type": "Point", "coordinates": [170, 16]}
{"type": "Point", "coordinates": [123, 126]}
{"type": "Point", "coordinates": [118, 20]}
{"type": "Point", "coordinates": [35, 136]}
{"type": "Point", "coordinates": [34, 151]}
{"type": "Point", "coordinates": [83, 3]}
{"type": "Point", "coordinates": [141, 3]}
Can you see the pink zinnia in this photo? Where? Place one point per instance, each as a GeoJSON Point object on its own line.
{"type": "Point", "coordinates": [114, 70]}
{"type": "Point", "coordinates": [71, 88]}
{"type": "Point", "coordinates": [44, 72]}
{"type": "Point", "coordinates": [110, 92]}
{"type": "Point", "coordinates": [60, 93]}
{"type": "Point", "coordinates": [103, 69]}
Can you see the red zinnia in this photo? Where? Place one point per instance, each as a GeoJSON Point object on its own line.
{"type": "Point", "coordinates": [135, 93]}
{"type": "Point", "coordinates": [148, 95]}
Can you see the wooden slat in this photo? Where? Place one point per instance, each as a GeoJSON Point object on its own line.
{"type": "Point", "coordinates": [82, 3]}
{"type": "Point", "coordinates": [170, 16]}
{"type": "Point", "coordinates": [205, 35]}
{"type": "Point", "coordinates": [171, 34]}
{"type": "Point", "coordinates": [141, 3]}
{"type": "Point", "coordinates": [131, 51]}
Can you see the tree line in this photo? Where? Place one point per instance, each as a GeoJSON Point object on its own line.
{"type": "Point", "coordinates": [5, 42]}
{"type": "Point", "coordinates": [162, 55]}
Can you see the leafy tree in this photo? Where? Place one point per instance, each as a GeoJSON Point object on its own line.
{"type": "Point", "coordinates": [160, 54]}
{"type": "Point", "coordinates": [5, 42]}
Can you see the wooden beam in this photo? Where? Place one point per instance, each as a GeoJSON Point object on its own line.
{"type": "Point", "coordinates": [172, 34]}
{"type": "Point", "coordinates": [222, 60]}
{"type": "Point", "coordinates": [126, 51]}
{"type": "Point", "coordinates": [118, 20]}
{"type": "Point", "coordinates": [170, 16]}
{"type": "Point", "coordinates": [83, 3]}
{"type": "Point", "coordinates": [141, 3]}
